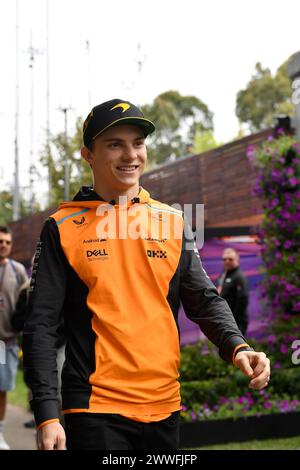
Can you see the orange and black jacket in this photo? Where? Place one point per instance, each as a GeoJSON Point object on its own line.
{"type": "Point", "coordinates": [120, 298]}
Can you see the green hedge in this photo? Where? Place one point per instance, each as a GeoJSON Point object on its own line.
{"type": "Point", "coordinates": [284, 382]}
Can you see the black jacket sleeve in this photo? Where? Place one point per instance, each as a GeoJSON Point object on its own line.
{"type": "Point", "coordinates": [203, 305]}
{"type": "Point", "coordinates": [41, 329]}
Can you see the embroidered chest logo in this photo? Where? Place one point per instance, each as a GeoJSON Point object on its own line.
{"type": "Point", "coordinates": [93, 255]}
{"type": "Point", "coordinates": [156, 254]}
{"type": "Point", "coordinates": [79, 222]}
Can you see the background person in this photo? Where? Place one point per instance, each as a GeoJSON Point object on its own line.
{"type": "Point", "coordinates": [233, 287]}
{"type": "Point", "coordinates": [12, 276]}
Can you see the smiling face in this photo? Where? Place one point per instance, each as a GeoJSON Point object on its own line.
{"type": "Point", "coordinates": [118, 157]}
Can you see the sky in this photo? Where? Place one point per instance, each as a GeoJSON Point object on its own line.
{"type": "Point", "coordinates": [204, 48]}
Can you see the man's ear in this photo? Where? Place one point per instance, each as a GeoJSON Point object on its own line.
{"type": "Point", "coordinates": [87, 155]}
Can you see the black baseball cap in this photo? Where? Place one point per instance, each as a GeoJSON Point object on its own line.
{"type": "Point", "coordinates": [113, 113]}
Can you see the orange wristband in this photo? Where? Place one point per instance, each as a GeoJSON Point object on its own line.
{"type": "Point", "coordinates": [244, 345]}
{"type": "Point", "coordinates": [55, 420]}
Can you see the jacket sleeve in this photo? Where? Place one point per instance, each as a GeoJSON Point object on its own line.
{"type": "Point", "coordinates": [47, 293]}
{"type": "Point", "coordinates": [203, 305]}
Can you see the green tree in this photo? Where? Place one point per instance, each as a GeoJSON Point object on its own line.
{"type": "Point", "coordinates": [6, 203]}
{"type": "Point", "coordinates": [204, 141]}
{"type": "Point", "coordinates": [54, 159]}
{"type": "Point", "coordinates": [264, 97]}
{"type": "Point", "coordinates": [177, 118]}
{"type": "Point", "coordinates": [6, 207]}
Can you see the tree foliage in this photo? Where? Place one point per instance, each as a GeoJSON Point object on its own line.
{"type": "Point", "coordinates": [264, 97]}
{"type": "Point", "coordinates": [177, 118]}
{"type": "Point", "coordinates": [53, 158]}
{"type": "Point", "coordinates": [6, 207]}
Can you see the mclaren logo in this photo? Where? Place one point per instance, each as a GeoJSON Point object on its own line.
{"type": "Point", "coordinates": [79, 222]}
{"type": "Point", "coordinates": [124, 106]}
{"type": "Point", "coordinates": [156, 254]}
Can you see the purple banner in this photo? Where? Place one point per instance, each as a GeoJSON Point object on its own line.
{"type": "Point", "coordinates": [250, 264]}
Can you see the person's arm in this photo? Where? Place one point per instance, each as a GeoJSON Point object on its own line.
{"type": "Point", "coordinates": [46, 299]}
{"type": "Point", "coordinates": [23, 274]}
{"type": "Point", "coordinates": [18, 317]}
{"type": "Point", "coordinates": [204, 306]}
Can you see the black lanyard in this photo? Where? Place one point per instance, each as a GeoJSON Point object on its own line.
{"type": "Point", "coordinates": [2, 277]}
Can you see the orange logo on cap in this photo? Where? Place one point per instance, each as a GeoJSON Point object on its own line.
{"type": "Point", "coordinates": [124, 106]}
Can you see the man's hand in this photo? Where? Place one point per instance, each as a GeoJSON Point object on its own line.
{"type": "Point", "coordinates": [256, 366]}
{"type": "Point", "coordinates": [51, 437]}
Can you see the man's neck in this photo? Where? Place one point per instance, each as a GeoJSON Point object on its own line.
{"type": "Point", "coordinates": [232, 269]}
{"type": "Point", "coordinates": [110, 194]}
{"type": "Point", "coordinates": [3, 261]}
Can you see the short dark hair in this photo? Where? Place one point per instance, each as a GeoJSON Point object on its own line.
{"type": "Point", "coordinates": [5, 229]}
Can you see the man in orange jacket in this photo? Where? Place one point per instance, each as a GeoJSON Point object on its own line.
{"type": "Point", "coordinates": [105, 261]}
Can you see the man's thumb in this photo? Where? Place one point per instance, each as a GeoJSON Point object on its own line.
{"type": "Point", "coordinates": [244, 365]}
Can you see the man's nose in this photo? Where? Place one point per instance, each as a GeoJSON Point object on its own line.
{"type": "Point", "coordinates": [129, 153]}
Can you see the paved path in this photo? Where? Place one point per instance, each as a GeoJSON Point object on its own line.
{"type": "Point", "coordinates": [16, 435]}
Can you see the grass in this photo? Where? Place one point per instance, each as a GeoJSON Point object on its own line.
{"type": "Point", "coordinates": [19, 396]}
{"type": "Point", "coordinates": [289, 443]}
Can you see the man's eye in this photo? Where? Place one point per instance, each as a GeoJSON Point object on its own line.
{"type": "Point", "coordinates": [114, 144]}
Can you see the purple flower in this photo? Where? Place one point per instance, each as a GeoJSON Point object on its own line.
{"type": "Point", "coordinates": [183, 408]}
{"type": "Point", "coordinates": [271, 339]}
{"type": "Point", "coordinates": [277, 365]}
{"type": "Point", "coordinates": [267, 405]}
{"type": "Point", "coordinates": [288, 244]}
{"type": "Point", "coordinates": [240, 400]}
{"type": "Point", "coordinates": [193, 416]}
{"type": "Point", "coordinates": [296, 307]}
{"type": "Point", "coordinates": [283, 349]}
{"type": "Point", "coordinates": [286, 316]}
{"type": "Point", "coordinates": [223, 400]}
{"type": "Point", "coordinates": [285, 214]}
{"type": "Point", "coordinates": [285, 406]}
{"type": "Point", "coordinates": [251, 152]}
{"type": "Point", "coordinates": [293, 181]}
{"type": "Point", "coordinates": [276, 174]}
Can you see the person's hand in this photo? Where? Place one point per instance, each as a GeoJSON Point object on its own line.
{"type": "Point", "coordinates": [254, 365]}
{"type": "Point", "coordinates": [51, 437]}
